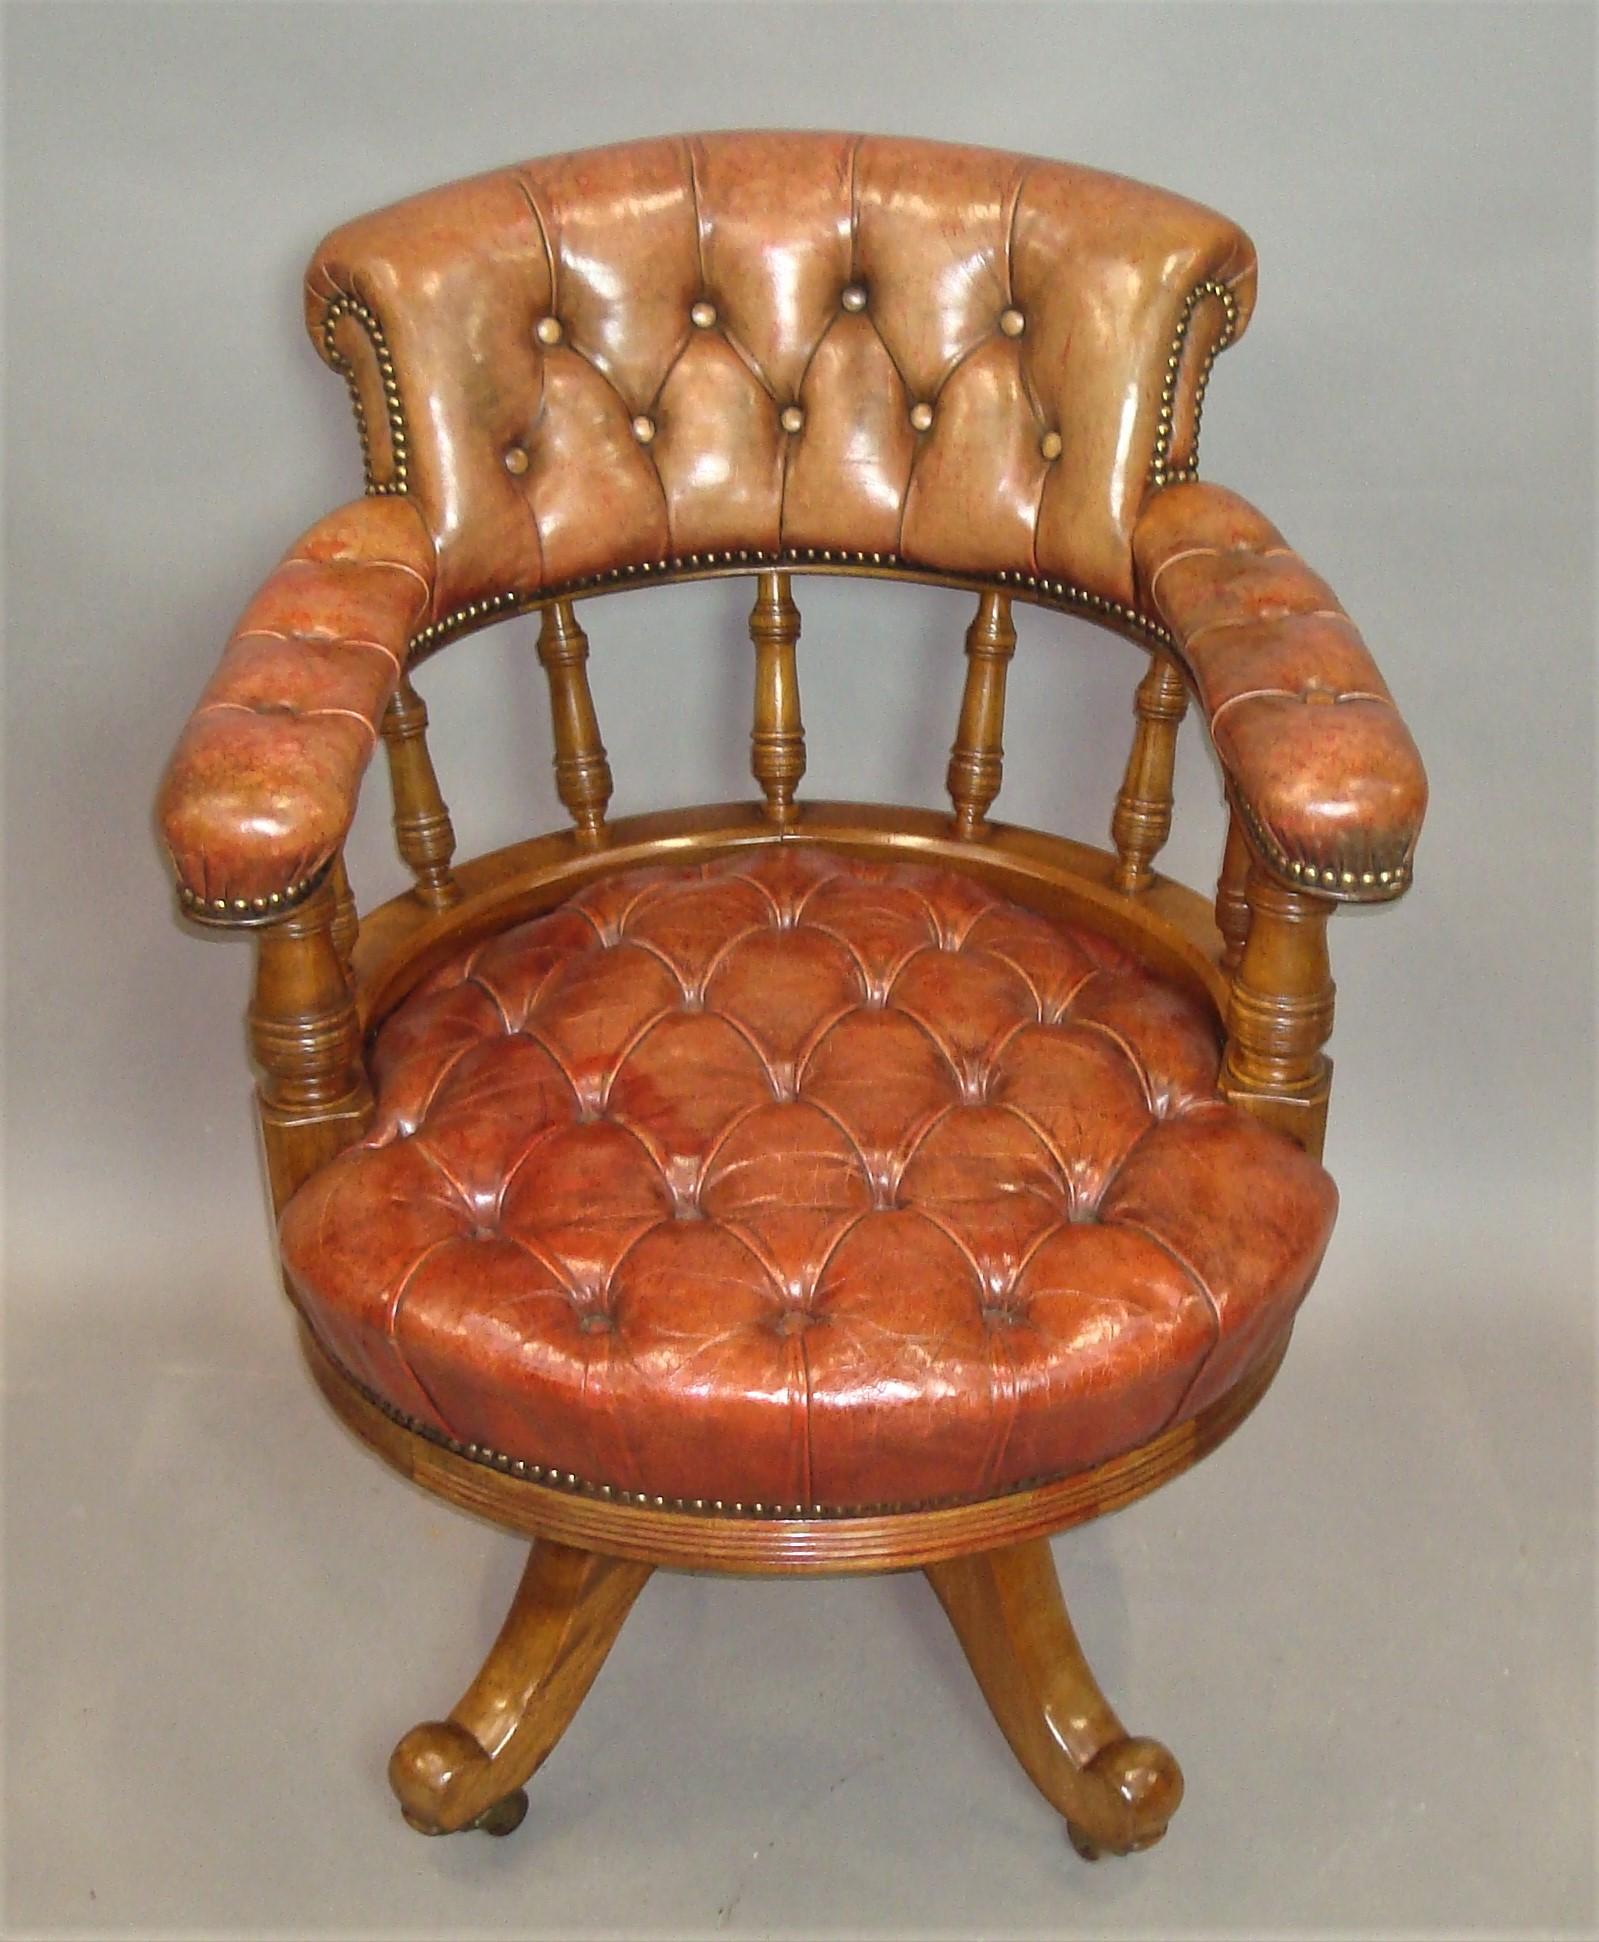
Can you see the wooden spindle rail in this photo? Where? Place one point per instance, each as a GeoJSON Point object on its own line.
{"type": "Point", "coordinates": [976, 762]}
{"type": "Point", "coordinates": [313, 1094]}
{"type": "Point", "coordinates": [582, 772]}
{"type": "Point", "coordinates": [1142, 818]}
{"type": "Point", "coordinates": [1232, 896]}
{"type": "Point", "coordinates": [423, 832]}
{"type": "Point", "coordinates": [777, 741]}
{"type": "Point", "coordinates": [1281, 1012]}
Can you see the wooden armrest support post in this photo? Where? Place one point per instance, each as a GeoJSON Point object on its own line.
{"type": "Point", "coordinates": [313, 1095]}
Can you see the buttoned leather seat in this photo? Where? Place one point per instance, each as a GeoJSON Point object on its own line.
{"type": "Point", "coordinates": [801, 1182]}
{"type": "Point", "coordinates": [787, 1185]}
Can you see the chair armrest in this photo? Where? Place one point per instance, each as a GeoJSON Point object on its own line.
{"type": "Point", "coordinates": [1317, 757]}
{"type": "Point", "coordinates": [261, 787]}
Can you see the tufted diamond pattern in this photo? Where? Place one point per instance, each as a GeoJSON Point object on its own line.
{"type": "Point", "coordinates": [952, 357]}
{"type": "Point", "coordinates": [803, 1181]}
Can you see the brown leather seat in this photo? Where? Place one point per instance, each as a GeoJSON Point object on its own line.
{"type": "Point", "coordinates": [805, 1182]}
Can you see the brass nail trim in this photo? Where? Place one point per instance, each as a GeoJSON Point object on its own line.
{"type": "Point", "coordinates": [554, 1478]}
{"type": "Point", "coordinates": [1063, 595]}
{"type": "Point", "coordinates": [251, 913]}
{"type": "Point", "coordinates": [399, 438]}
{"type": "Point", "coordinates": [1327, 880]}
{"type": "Point", "coordinates": [1161, 471]}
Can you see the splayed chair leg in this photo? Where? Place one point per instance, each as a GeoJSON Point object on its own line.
{"type": "Point", "coordinates": [470, 1770]}
{"type": "Point", "coordinates": [1114, 1791]}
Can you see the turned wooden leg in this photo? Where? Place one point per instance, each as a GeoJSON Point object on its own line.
{"type": "Point", "coordinates": [1115, 1791]}
{"type": "Point", "coordinates": [470, 1770]}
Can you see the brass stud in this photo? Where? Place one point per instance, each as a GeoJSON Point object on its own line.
{"type": "Point", "coordinates": [922, 416]}
{"type": "Point", "coordinates": [643, 429]}
{"type": "Point", "coordinates": [703, 315]}
{"type": "Point", "coordinates": [853, 297]}
{"type": "Point", "coordinates": [791, 418]}
{"type": "Point", "coordinates": [516, 460]}
{"type": "Point", "coordinates": [548, 330]}
{"type": "Point", "coordinates": [1050, 445]}
{"type": "Point", "coordinates": [1012, 322]}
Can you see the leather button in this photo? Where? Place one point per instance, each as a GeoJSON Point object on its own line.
{"type": "Point", "coordinates": [643, 429]}
{"type": "Point", "coordinates": [703, 315]}
{"type": "Point", "coordinates": [1012, 322]}
{"type": "Point", "coordinates": [853, 297]}
{"type": "Point", "coordinates": [548, 330]}
{"type": "Point", "coordinates": [922, 416]}
{"type": "Point", "coordinates": [1049, 445]}
{"type": "Point", "coordinates": [516, 460]}
{"type": "Point", "coordinates": [791, 418]}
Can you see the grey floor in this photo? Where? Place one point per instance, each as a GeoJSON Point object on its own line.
{"type": "Point", "coordinates": [1365, 1625]}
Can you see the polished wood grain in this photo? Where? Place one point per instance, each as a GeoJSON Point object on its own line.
{"type": "Point", "coordinates": [423, 831]}
{"type": "Point", "coordinates": [977, 760]}
{"type": "Point", "coordinates": [346, 925]}
{"type": "Point", "coordinates": [896, 1540]}
{"type": "Point", "coordinates": [582, 772]}
{"type": "Point", "coordinates": [1115, 1792]}
{"type": "Point", "coordinates": [470, 1770]}
{"type": "Point", "coordinates": [777, 741]}
{"type": "Point", "coordinates": [1281, 1013]}
{"type": "Point", "coordinates": [1142, 819]}
{"type": "Point", "coordinates": [1232, 894]}
{"type": "Point", "coordinates": [313, 1095]}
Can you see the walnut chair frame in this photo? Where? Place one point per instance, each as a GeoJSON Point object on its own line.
{"type": "Point", "coordinates": [1325, 793]}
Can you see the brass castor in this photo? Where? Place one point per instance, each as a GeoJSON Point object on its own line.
{"type": "Point", "coordinates": [506, 1815]}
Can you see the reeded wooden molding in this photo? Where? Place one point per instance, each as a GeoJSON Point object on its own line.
{"type": "Point", "coordinates": [1142, 818]}
{"type": "Point", "coordinates": [1115, 1792]}
{"type": "Point", "coordinates": [683, 1538]}
{"type": "Point", "coordinates": [976, 762]}
{"type": "Point", "coordinates": [777, 741]}
{"type": "Point", "coordinates": [470, 1770]}
{"type": "Point", "coordinates": [423, 831]}
{"type": "Point", "coordinates": [1281, 1012]}
{"type": "Point", "coordinates": [1232, 898]}
{"type": "Point", "coordinates": [582, 773]}
{"type": "Point", "coordinates": [346, 925]}
{"type": "Point", "coordinates": [313, 1094]}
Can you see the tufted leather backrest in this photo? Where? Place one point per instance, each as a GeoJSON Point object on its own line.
{"type": "Point", "coordinates": [629, 359]}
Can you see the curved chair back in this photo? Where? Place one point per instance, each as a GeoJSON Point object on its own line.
{"type": "Point", "coordinates": [689, 355]}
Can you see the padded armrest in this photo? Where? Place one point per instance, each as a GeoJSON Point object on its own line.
{"type": "Point", "coordinates": [261, 788]}
{"type": "Point", "coordinates": [1318, 759]}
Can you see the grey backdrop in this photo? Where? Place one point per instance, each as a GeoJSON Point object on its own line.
{"type": "Point", "coordinates": [1366, 1625]}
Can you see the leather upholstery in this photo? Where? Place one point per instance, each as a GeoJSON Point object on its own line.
{"type": "Point", "coordinates": [1317, 755]}
{"type": "Point", "coordinates": [670, 353]}
{"type": "Point", "coordinates": [262, 786]}
{"type": "Point", "coordinates": [764, 340]}
{"type": "Point", "coordinates": [792, 1180]}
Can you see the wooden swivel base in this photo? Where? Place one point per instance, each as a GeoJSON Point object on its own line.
{"type": "Point", "coordinates": [1115, 1791]}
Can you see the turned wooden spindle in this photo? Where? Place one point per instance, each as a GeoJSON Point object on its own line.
{"type": "Point", "coordinates": [423, 832]}
{"type": "Point", "coordinates": [582, 773]}
{"type": "Point", "coordinates": [1232, 899]}
{"type": "Point", "coordinates": [1281, 1012]}
{"type": "Point", "coordinates": [313, 1094]}
{"type": "Point", "coordinates": [777, 742]}
{"type": "Point", "coordinates": [346, 925]}
{"type": "Point", "coordinates": [1142, 819]}
{"type": "Point", "coordinates": [976, 762]}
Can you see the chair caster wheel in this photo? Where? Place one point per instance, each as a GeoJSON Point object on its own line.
{"type": "Point", "coordinates": [506, 1815]}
